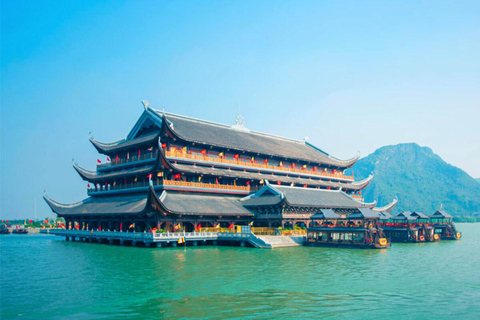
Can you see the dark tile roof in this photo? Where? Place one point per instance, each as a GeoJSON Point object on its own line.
{"type": "Point", "coordinates": [317, 198]}
{"type": "Point", "coordinates": [405, 215]}
{"type": "Point", "coordinates": [219, 135]}
{"type": "Point", "coordinates": [325, 214]}
{"type": "Point", "coordinates": [385, 215]}
{"type": "Point", "coordinates": [93, 176]}
{"type": "Point", "coordinates": [420, 215]}
{"type": "Point", "coordinates": [301, 197]}
{"type": "Point", "coordinates": [109, 148]}
{"type": "Point", "coordinates": [208, 205]}
{"type": "Point", "coordinates": [125, 204]}
{"type": "Point", "coordinates": [363, 213]}
{"type": "Point", "coordinates": [441, 214]}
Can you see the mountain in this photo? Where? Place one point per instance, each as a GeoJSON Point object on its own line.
{"type": "Point", "coordinates": [478, 180]}
{"type": "Point", "coordinates": [419, 178]}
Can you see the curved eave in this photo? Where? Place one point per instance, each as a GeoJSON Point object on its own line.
{"type": "Point", "coordinates": [388, 208]}
{"type": "Point", "coordinates": [92, 176]}
{"type": "Point", "coordinates": [369, 205]}
{"type": "Point", "coordinates": [57, 207]}
{"type": "Point", "coordinates": [358, 185]}
{"type": "Point", "coordinates": [105, 148]}
{"type": "Point", "coordinates": [334, 162]}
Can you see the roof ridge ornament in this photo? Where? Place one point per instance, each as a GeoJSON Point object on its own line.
{"type": "Point", "coordinates": [146, 105]}
{"type": "Point", "coordinates": [240, 124]}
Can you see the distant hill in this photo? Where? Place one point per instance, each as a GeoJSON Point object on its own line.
{"type": "Point", "coordinates": [419, 178]}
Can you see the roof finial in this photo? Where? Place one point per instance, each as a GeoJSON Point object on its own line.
{"type": "Point", "coordinates": [146, 105]}
{"type": "Point", "coordinates": [239, 120]}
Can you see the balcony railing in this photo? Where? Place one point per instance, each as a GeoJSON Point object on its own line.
{"type": "Point", "coordinates": [178, 183]}
{"type": "Point", "coordinates": [115, 162]}
{"type": "Point", "coordinates": [256, 165]}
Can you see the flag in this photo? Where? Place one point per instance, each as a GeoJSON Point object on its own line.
{"type": "Point", "coordinates": [281, 163]}
{"type": "Point", "coordinates": [293, 165]}
{"type": "Point", "coordinates": [279, 183]}
{"type": "Point", "coordinates": [305, 185]}
{"type": "Point", "coordinates": [216, 180]}
{"type": "Point", "coordinates": [135, 180]}
{"type": "Point", "coordinates": [108, 159]}
{"type": "Point", "coordinates": [217, 226]}
{"type": "Point", "coordinates": [230, 226]}
{"type": "Point", "coordinates": [154, 230]}
{"type": "Point", "coordinates": [88, 185]}
{"type": "Point", "coordinates": [128, 155]}
{"type": "Point", "coordinates": [139, 153]}
{"type": "Point", "coordinates": [266, 161]}
{"type": "Point", "coordinates": [220, 154]}
{"type": "Point", "coordinates": [251, 224]}
{"type": "Point", "coordinates": [315, 168]}
{"type": "Point", "coordinates": [236, 156]}
{"type": "Point", "coordinates": [204, 151]}
{"type": "Point", "coordinates": [121, 226]}
{"type": "Point", "coordinates": [164, 145]}
{"type": "Point", "coordinates": [198, 226]}
{"type": "Point", "coordinates": [99, 228]}
{"type": "Point", "coordinates": [253, 159]}
{"type": "Point", "coordinates": [304, 166]}
{"type": "Point", "coordinates": [185, 149]}
{"type": "Point", "coordinates": [98, 160]}
{"type": "Point", "coordinates": [329, 188]}
{"type": "Point", "coordinates": [177, 176]}
{"type": "Point", "coordinates": [181, 240]}
{"type": "Point", "coordinates": [261, 181]}
{"type": "Point", "coordinates": [199, 179]}
{"type": "Point", "coordinates": [151, 148]}
{"type": "Point", "coordinates": [30, 221]}
{"type": "Point", "coordinates": [116, 158]}
{"type": "Point", "coordinates": [132, 226]}
{"type": "Point", "coordinates": [46, 221]}
{"type": "Point", "coordinates": [160, 174]}
{"type": "Point", "coordinates": [248, 183]}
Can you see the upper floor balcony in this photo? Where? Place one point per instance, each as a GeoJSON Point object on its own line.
{"type": "Point", "coordinates": [170, 185]}
{"type": "Point", "coordinates": [128, 159]}
{"type": "Point", "coordinates": [182, 154]}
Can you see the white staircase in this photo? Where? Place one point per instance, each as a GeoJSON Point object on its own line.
{"type": "Point", "coordinates": [281, 241]}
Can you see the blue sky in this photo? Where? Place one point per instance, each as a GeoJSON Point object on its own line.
{"type": "Point", "coordinates": [352, 76]}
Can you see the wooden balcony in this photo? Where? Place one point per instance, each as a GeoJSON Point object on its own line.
{"type": "Point", "coordinates": [180, 183]}
{"type": "Point", "coordinates": [114, 162]}
{"type": "Point", "coordinates": [256, 165]}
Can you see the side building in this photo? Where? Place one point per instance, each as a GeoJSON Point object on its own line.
{"type": "Point", "coordinates": [174, 172]}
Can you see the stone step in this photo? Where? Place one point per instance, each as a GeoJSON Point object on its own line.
{"type": "Point", "coordinates": [280, 241]}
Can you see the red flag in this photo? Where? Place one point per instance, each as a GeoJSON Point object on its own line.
{"type": "Point", "coordinates": [108, 159]}
{"type": "Point", "coordinates": [216, 180]}
{"type": "Point", "coordinates": [121, 226]}
{"type": "Point", "coordinates": [329, 188]}
{"type": "Point", "coordinates": [230, 226]}
{"type": "Point", "coordinates": [279, 183]}
{"type": "Point", "coordinates": [46, 221]}
{"type": "Point", "coordinates": [88, 185]}
{"type": "Point", "coordinates": [266, 160]}
{"type": "Point", "coordinates": [6, 221]}
{"type": "Point", "coordinates": [116, 158]}
{"type": "Point", "coordinates": [98, 160]}
{"type": "Point", "coordinates": [177, 176]}
{"type": "Point", "coordinates": [30, 221]}
{"type": "Point", "coordinates": [315, 168]}
{"type": "Point", "coordinates": [248, 183]}
{"type": "Point", "coordinates": [305, 185]}
{"type": "Point", "coordinates": [204, 151]}
{"type": "Point", "coordinates": [164, 145]}
{"type": "Point", "coordinates": [99, 228]}
{"type": "Point", "coordinates": [199, 226]}
{"type": "Point", "coordinates": [236, 156]}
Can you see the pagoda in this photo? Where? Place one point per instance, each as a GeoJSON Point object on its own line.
{"type": "Point", "coordinates": [175, 172]}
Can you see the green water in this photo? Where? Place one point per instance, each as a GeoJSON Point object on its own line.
{"type": "Point", "coordinates": [44, 277]}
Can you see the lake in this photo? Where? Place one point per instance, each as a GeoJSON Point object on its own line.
{"type": "Point", "coordinates": [43, 276]}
